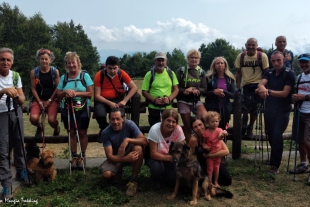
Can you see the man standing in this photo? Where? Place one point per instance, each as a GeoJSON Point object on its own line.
{"type": "Point", "coordinates": [250, 66]}
{"type": "Point", "coordinates": [301, 97]}
{"type": "Point", "coordinates": [159, 87]}
{"type": "Point", "coordinates": [280, 82]}
{"type": "Point", "coordinates": [109, 91]}
{"type": "Point", "coordinates": [10, 88]}
{"type": "Point", "coordinates": [288, 55]}
{"type": "Point", "coordinates": [122, 142]}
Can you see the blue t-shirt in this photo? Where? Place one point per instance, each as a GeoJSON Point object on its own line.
{"type": "Point", "coordinates": [75, 85]}
{"type": "Point", "coordinates": [285, 78]}
{"type": "Point", "coordinates": [113, 138]}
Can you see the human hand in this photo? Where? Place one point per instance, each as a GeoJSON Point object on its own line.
{"type": "Point", "coordinates": [11, 92]}
{"type": "Point", "coordinates": [219, 92]}
{"type": "Point", "coordinates": [188, 91]}
{"type": "Point", "coordinates": [122, 103]}
{"type": "Point", "coordinates": [112, 105]}
{"type": "Point", "coordinates": [132, 156]}
{"type": "Point", "coordinates": [70, 93]}
{"type": "Point", "coordinates": [196, 92]}
{"type": "Point", "coordinates": [298, 97]}
{"type": "Point", "coordinates": [262, 92]}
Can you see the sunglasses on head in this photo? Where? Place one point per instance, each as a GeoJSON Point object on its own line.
{"type": "Point", "coordinates": [304, 55]}
{"type": "Point", "coordinates": [44, 51]}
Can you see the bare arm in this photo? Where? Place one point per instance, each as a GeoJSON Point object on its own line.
{"type": "Point", "coordinates": [140, 140]}
{"type": "Point", "coordinates": [220, 153]}
{"type": "Point", "coordinates": [132, 91]}
{"type": "Point", "coordinates": [156, 155]}
{"type": "Point", "coordinates": [132, 156]}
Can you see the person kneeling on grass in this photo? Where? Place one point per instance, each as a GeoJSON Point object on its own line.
{"type": "Point", "coordinates": [122, 142]}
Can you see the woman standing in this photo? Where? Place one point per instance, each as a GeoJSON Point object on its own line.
{"type": "Point", "coordinates": [221, 88]}
{"type": "Point", "coordinates": [160, 137]}
{"type": "Point", "coordinates": [44, 80]}
{"type": "Point", "coordinates": [76, 89]}
{"type": "Point", "coordinates": [192, 83]}
{"type": "Point", "coordinates": [195, 143]}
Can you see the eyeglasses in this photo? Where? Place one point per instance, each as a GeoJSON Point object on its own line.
{"type": "Point", "coordinates": [44, 51]}
{"type": "Point", "coordinates": [304, 55]}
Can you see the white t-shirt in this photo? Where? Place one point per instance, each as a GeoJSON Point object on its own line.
{"type": "Point", "coordinates": [7, 82]}
{"type": "Point", "coordinates": [164, 143]}
{"type": "Point", "coordinates": [304, 88]}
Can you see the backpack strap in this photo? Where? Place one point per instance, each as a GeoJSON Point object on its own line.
{"type": "Point", "coordinates": [169, 71]}
{"type": "Point", "coordinates": [53, 72]}
{"type": "Point", "coordinates": [15, 77]}
{"type": "Point", "coordinates": [103, 73]}
{"type": "Point", "coordinates": [242, 59]}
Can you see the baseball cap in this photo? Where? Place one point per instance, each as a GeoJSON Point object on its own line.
{"type": "Point", "coordinates": [305, 56]}
{"type": "Point", "coordinates": [160, 55]}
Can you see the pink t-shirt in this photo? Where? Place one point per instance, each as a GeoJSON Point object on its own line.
{"type": "Point", "coordinates": [212, 140]}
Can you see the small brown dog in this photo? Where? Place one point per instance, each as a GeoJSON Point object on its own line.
{"type": "Point", "coordinates": [45, 170]}
{"type": "Point", "coordinates": [189, 173]}
{"type": "Point", "coordinates": [33, 155]}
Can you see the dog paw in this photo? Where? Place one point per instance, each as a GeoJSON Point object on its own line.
{"type": "Point", "coordinates": [193, 202]}
{"type": "Point", "coordinates": [171, 197]}
{"type": "Point", "coordinates": [208, 197]}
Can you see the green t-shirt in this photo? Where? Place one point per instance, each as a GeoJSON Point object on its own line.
{"type": "Point", "coordinates": [162, 85]}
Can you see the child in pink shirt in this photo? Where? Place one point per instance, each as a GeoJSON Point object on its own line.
{"type": "Point", "coordinates": [213, 138]}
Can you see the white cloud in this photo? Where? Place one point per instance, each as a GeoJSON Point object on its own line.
{"type": "Point", "coordinates": [177, 33]}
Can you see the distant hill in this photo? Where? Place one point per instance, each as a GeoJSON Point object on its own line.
{"type": "Point", "coordinates": [104, 54]}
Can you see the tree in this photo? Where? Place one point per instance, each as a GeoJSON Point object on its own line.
{"type": "Point", "coordinates": [219, 47]}
{"type": "Point", "coordinates": [176, 59]}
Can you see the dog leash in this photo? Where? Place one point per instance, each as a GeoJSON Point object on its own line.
{"type": "Point", "coordinates": [43, 116]}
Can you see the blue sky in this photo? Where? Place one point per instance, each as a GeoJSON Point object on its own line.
{"type": "Point", "coordinates": [144, 25]}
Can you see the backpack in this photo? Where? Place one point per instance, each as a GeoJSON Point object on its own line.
{"type": "Point", "coordinates": [37, 74]}
{"type": "Point", "coordinates": [259, 59]}
{"type": "Point", "coordinates": [15, 78]}
{"type": "Point", "coordinates": [82, 74]}
{"type": "Point", "coordinates": [182, 71]}
{"type": "Point", "coordinates": [169, 71]}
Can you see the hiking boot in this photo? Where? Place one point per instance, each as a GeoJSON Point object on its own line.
{"type": "Point", "coordinates": [249, 131]}
{"type": "Point", "coordinates": [80, 161]}
{"type": "Point", "coordinates": [300, 168]}
{"type": "Point", "coordinates": [132, 188]}
{"type": "Point", "coordinates": [244, 124]}
{"type": "Point", "coordinates": [38, 134]}
{"type": "Point", "coordinates": [23, 177]}
{"type": "Point", "coordinates": [6, 194]}
{"type": "Point", "coordinates": [274, 170]}
{"type": "Point", "coordinates": [73, 162]}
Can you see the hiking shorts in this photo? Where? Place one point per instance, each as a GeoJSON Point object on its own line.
{"type": "Point", "coordinates": [82, 118]}
{"type": "Point", "coordinates": [304, 128]}
{"type": "Point", "coordinates": [186, 108]}
{"type": "Point", "coordinates": [250, 98]}
{"type": "Point", "coordinates": [52, 110]}
{"type": "Point", "coordinates": [109, 166]}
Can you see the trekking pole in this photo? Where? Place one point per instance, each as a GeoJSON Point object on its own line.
{"type": "Point", "coordinates": [8, 104]}
{"type": "Point", "coordinates": [69, 129]}
{"type": "Point", "coordinates": [296, 143]}
{"type": "Point", "coordinates": [256, 137]}
{"type": "Point", "coordinates": [15, 105]}
{"type": "Point", "coordinates": [266, 134]}
{"type": "Point", "coordinates": [77, 135]}
{"type": "Point", "coordinates": [296, 106]}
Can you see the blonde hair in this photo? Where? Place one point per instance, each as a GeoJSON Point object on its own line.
{"type": "Point", "coordinates": [70, 56]}
{"type": "Point", "coordinates": [212, 70]}
{"type": "Point", "coordinates": [210, 115]}
{"type": "Point", "coordinates": [193, 51]}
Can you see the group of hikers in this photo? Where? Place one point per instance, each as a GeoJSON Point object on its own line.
{"type": "Point", "coordinates": [261, 79]}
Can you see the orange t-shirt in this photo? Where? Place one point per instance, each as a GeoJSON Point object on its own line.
{"type": "Point", "coordinates": [107, 89]}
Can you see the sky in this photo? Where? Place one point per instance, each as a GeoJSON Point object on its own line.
{"type": "Point", "coordinates": [162, 25]}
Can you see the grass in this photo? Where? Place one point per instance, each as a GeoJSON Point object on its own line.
{"type": "Point", "coordinates": [252, 186]}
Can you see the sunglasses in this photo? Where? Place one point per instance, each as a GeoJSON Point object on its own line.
{"type": "Point", "coordinates": [44, 51]}
{"type": "Point", "coordinates": [304, 55]}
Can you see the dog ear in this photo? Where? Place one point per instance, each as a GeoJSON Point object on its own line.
{"type": "Point", "coordinates": [186, 148]}
{"type": "Point", "coordinates": [171, 147]}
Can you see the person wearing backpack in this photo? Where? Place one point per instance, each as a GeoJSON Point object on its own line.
{"type": "Point", "coordinates": [250, 66]}
{"type": "Point", "coordinates": [44, 80]}
{"type": "Point", "coordinates": [192, 84]}
{"type": "Point", "coordinates": [289, 56]}
{"type": "Point", "coordinates": [9, 91]}
{"type": "Point", "coordinates": [75, 88]}
{"type": "Point", "coordinates": [159, 87]}
{"type": "Point", "coordinates": [220, 89]}
{"type": "Point", "coordinates": [276, 87]}
{"type": "Point", "coordinates": [110, 92]}
{"type": "Point", "coordinates": [301, 97]}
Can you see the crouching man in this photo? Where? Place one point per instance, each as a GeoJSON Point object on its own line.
{"type": "Point", "coordinates": [122, 142]}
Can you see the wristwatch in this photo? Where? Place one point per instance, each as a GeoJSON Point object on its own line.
{"type": "Point", "coordinates": [306, 97]}
{"type": "Point", "coordinates": [50, 100]}
{"type": "Point", "coordinates": [269, 91]}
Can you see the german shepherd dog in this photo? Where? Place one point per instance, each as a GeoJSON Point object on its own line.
{"type": "Point", "coordinates": [189, 173]}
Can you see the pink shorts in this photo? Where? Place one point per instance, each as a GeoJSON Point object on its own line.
{"type": "Point", "coordinates": [213, 165]}
{"type": "Point", "coordinates": [186, 108]}
{"type": "Point", "coordinates": [52, 110]}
